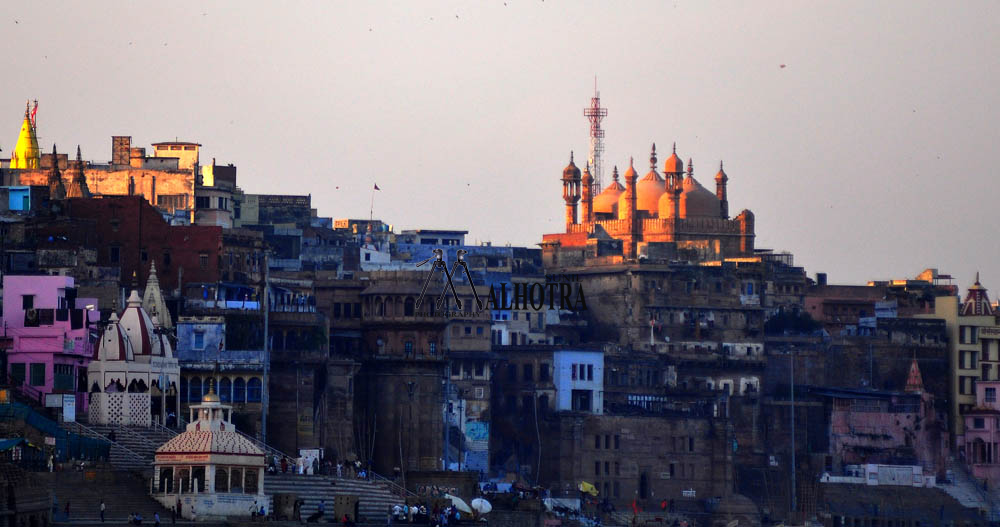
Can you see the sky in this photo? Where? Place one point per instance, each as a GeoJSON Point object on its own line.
{"type": "Point", "coordinates": [860, 133]}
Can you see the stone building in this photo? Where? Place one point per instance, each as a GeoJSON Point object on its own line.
{"type": "Point", "coordinates": [671, 217]}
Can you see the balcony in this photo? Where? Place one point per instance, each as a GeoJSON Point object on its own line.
{"type": "Point", "coordinates": [227, 359]}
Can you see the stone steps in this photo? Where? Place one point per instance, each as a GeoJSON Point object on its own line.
{"type": "Point", "coordinates": [123, 492]}
{"type": "Point", "coordinates": [374, 499]}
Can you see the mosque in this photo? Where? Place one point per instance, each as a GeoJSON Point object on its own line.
{"type": "Point", "coordinates": [658, 217]}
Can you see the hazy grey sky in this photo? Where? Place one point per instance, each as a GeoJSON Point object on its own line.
{"type": "Point", "coordinates": [870, 155]}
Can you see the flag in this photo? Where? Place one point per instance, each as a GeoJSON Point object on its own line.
{"type": "Point", "coordinates": [376, 187]}
{"type": "Point", "coordinates": [635, 506]}
{"type": "Point", "coordinates": [33, 112]}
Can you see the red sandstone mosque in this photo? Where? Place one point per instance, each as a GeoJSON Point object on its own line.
{"type": "Point", "coordinates": [666, 217]}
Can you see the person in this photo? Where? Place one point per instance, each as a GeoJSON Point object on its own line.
{"type": "Point", "coordinates": [102, 510]}
{"type": "Point", "coordinates": [173, 515]}
{"type": "Point", "coordinates": [194, 514]}
{"type": "Point", "coordinates": [340, 470]}
{"type": "Point", "coordinates": [284, 464]}
{"type": "Point", "coordinates": [138, 519]}
{"type": "Point", "coordinates": [322, 507]}
{"type": "Point", "coordinates": [67, 509]}
{"type": "Point", "coordinates": [253, 511]}
{"type": "Point", "coordinates": [156, 519]}
{"type": "Point", "coordinates": [131, 518]}
{"type": "Point", "coordinates": [315, 465]}
{"type": "Point", "coordinates": [262, 513]}
{"type": "Point", "coordinates": [396, 511]}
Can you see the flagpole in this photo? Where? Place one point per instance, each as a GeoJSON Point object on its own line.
{"type": "Point", "coordinates": [371, 210]}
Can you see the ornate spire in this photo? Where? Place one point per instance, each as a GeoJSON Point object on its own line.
{"type": "Point", "coordinates": [914, 381]}
{"type": "Point", "coordinates": [690, 168]}
{"type": "Point", "coordinates": [614, 174]}
{"type": "Point", "coordinates": [78, 181]}
{"type": "Point", "coordinates": [675, 147]}
{"type": "Point", "coordinates": [652, 158]}
{"type": "Point", "coordinates": [152, 299]}
{"type": "Point", "coordinates": [56, 188]}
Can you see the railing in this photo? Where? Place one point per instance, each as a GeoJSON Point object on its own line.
{"type": "Point", "coordinates": [161, 428]}
{"type": "Point", "coordinates": [30, 392]}
{"type": "Point", "coordinates": [265, 447]}
{"type": "Point", "coordinates": [393, 487]}
{"type": "Point", "coordinates": [68, 444]}
{"type": "Point", "coordinates": [97, 435]}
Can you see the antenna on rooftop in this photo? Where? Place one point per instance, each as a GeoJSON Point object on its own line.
{"type": "Point", "coordinates": [595, 114]}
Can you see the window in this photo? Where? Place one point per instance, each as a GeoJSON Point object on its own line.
{"type": "Point", "coordinates": [253, 390]}
{"type": "Point", "coordinates": [607, 468]}
{"type": "Point", "coordinates": [672, 470]}
{"type": "Point", "coordinates": [480, 368]}
{"type": "Point", "coordinates": [144, 255]}
{"type": "Point", "coordinates": [239, 390]}
{"type": "Point", "coordinates": [17, 373]}
{"type": "Point", "coordinates": [597, 441]}
{"type": "Point", "coordinates": [690, 444]}
{"type": "Point", "coordinates": [203, 261]}
{"type": "Point", "coordinates": [617, 489]}
{"type": "Point", "coordinates": [617, 442]}
{"type": "Point", "coordinates": [607, 442]}
{"type": "Point", "coordinates": [590, 372]}
{"type": "Point", "coordinates": [368, 256]}
{"type": "Point", "coordinates": [357, 310]}
{"type": "Point", "coordinates": [27, 301]}
{"type": "Point", "coordinates": [225, 387]}
{"type": "Point", "coordinates": [529, 372]}
{"type": "Point", "coordinates": [114, 254]}
{"type": "Point", "coordinates": [479, 330]}
{"type": "Point", "coordinates": [480, 392]}
{"type": "Point", "coordinates": [991, 395]}
{"type": "Point", "coordinates": [432, 347]}
{"type": "Point", "coordinates": [166, 260]}
{"type": "Point", "coordinates": [543, 372]}
{"type": "Point", "coordinates": [574, 372]}
{"type": "Point", "coordinates": [408, 347]}
{"type": "Point", "coordinates": [202, 202]}
{"type": "Point", "coordinates": [977, 423]}
{"type": "Point", "coordinates": [38, 374]}
{"type": "Point", "coordinates": [236, 210]}
{"type": "Point", "coordinates": [618, 468]}
{"type": "Point", "coordinates": [199, 340]}
{"type": "Point", "coordinates": [408, 307]}
{"type": "Point", "coordinates": [512, 372]}
{"type": "Point", "coordinates": [597, 468]}
{"type": "Point", "coordinates": [515, 315]}
{"type": "Point", "coordinates": [62, 377]}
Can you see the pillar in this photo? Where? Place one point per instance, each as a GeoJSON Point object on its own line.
{"type": "Point", "coordinates": [260, 481]}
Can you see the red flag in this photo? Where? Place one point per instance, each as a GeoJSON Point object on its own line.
{"type": "Point", "coordinates": [635, 506]}
{"type": "Point", "coordinates": [33, 112]}
{"type": "Point", "coordinates": [376, 187]}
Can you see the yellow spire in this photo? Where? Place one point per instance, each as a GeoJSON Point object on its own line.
{"type": "Point", "coordinates": [26, 153]}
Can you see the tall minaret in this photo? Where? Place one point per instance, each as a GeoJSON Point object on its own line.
{"type": "Point", "coordinates": [631, 216]}
{"type": "Point", "coordinates": [571, 190]}
{"type": "Point", "coordinates": [720, 192]}
{"type": "Point", "coordinates": [587, 212]}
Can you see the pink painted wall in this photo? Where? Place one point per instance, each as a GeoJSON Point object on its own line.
{"type": "Point", "coordinates": [51, 344]}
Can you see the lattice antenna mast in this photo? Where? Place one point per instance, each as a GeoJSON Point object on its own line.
{"type": "Point", "coordinates": [595, 114]}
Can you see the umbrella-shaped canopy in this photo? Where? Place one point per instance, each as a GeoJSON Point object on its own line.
{"type": "Point", "coordinates": [459, 504]}
{"type": "Point", "coordinates": [481, 506]}
{"type": "Point", "coordinates": [588, 488]}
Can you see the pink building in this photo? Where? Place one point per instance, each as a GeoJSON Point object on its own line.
{"type": "Point", "coordinates": [895, 428]}
{"type": "Point", "coordinates": [979, 444]}
{"type": "Point", "coordinates": [48, 327]}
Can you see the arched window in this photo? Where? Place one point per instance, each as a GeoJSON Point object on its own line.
{"type": "Point", "coordinates": [253, 390]}
{"type": "Point", "coordinates": [184, 389]}
{"type": "Point", "coordinates": [195, 390]}
{"type": "Point", "coordinates": [239, 390]}
{"type": "Point", "coordinates": [224, 387]}
{"type": "Point", "coordinates": [379, 307]}
{"type": "Point", "coordinates": [408, 307]}
{"type": "Point", "coordinates": [221, 477]}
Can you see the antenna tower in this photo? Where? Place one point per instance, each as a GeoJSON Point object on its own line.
{"type": "Point", "coordinates": [595, 114]}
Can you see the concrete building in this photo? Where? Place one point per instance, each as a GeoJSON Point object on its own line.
{"type": "Point", "coordinates": [979, 446]}
{"type": "Point", "coordinates": [579, 380]}
{"type": "Point", "coordinates": [49, 327]}
{"type": "Point", "coordinates": [973, 348]}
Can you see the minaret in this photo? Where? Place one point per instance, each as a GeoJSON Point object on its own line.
{"type": "Point", "coordinates": [56, 188]}
{"type": "Point", "coordinates": [630, 212]}
{"type": "Point", "coordinates": [26, 154]}
{"type": "Point", "coordinates": [720, 192]}
{"type": "Point", "coordinates": [78, 181]}
{"type": "Point", "coordinates": [571, 191]}
{"type": "Point", "coordinates": [587, 213]}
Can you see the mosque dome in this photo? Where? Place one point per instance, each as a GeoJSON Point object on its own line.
{"type": "Point", "coordinates": [139, 328]}
{"type": "Point", "coordinates": [697, 201]}
{"type": "Point", "coordinates": [114, 344]}
{"type": "Point", "coordinates": [650, 188]}
{"type": "Point", "coordinates": [673, 164]}
{"type": "Point", "coordinates": [571, 171]}
{"type": "Point", "coordinates": [607, 200]}
{"type": "Point", "coordinates": [664, 206]}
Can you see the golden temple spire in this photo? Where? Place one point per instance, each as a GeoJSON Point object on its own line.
{"type": "Point", "coordinates": [26, 153]}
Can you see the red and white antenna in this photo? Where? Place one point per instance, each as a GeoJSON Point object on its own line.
{"type": "Point", "coordinates": [595, 114]}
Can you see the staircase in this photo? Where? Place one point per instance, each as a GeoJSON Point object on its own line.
{"type": "Point", "coordinates": [374, 498]}
{"type": "Point", "coordinates": [970, 492]}
{"type": "Point", "coordinates": [122, 492]}
{"type": "Point", "coordinates": [122, 457]}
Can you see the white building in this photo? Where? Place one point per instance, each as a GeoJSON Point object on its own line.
{"type": "Point", "coordinates": [579, 380]}
{"type": "Point", "coordinates": [211, 468]}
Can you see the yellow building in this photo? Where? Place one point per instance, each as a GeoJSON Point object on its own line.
{"type": "Point", "coordinates": [973, 347]}
{"type": "Point", "coordinates": [26, 153]}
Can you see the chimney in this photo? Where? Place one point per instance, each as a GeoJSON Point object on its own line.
{"type": "Point", "coordinates": [820, 278]}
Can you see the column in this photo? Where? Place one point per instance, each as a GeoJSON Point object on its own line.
{"type": "Point", "coordinates": [260, 481]}
{"type": "Point", "coordinates": [210, 479]}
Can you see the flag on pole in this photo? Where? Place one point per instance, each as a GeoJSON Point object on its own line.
{"type": "Point", "coordinates": [376, 187]}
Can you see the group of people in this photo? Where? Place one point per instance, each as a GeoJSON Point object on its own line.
{"type": "Point", "coordinates": [341, 469]}
{"type": "Point", "coordinates": [438, 517]}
